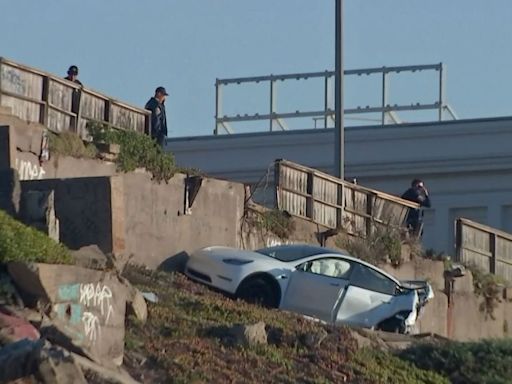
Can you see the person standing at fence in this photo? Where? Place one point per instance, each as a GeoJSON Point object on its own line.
{"type": "Point", "coordinates": [158, 117]}
{"type": "Point", "coordinates": [73, 75]}
{"type": "Point", "coordinates": [418, 193]}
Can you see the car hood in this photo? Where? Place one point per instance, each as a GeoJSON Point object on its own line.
{"type": "Point", "coordinates": [422, 287]}
{"type": "Point", "coordinates": [235, 253]}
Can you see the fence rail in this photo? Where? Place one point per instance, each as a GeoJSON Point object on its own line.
{"type": "Point", "coordinates": [388, 111]}
{"type": "Point", "coordinates": [61, 105]}
{"type": "Point", "coordinates": [488, 248]}
{"type": "Point", "coordinates": [331, 202]}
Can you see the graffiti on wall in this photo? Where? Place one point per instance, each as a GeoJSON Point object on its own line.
{"type": "Point", "coordinates": [29, 170]}
{"type": "Point", "coordinates": [86, 308]}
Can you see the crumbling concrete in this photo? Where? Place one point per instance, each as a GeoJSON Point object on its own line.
{"type": "Point", "coordinates": [113, 212]}
{"type": "Point", "coordinates": [91, 257]}
{"type": "Point", "coordinates": [21, 149]}
{"type": "Point", "coordinates": [86, 307]}
{"type": "Point", "coordinates": [13, 329]}
{"type": "Point", "coordinates": [160, 232]}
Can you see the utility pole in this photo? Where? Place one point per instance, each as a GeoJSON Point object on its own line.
{"type": "Point", "coordinates": [339, 134]}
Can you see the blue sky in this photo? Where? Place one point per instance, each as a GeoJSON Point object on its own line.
{"type": "Point", "coordinates": [127, 48]}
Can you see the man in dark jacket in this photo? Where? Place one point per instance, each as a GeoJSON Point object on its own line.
{"type": "Point", "coordinates": [73, 75]}
{"type": "Point", "coordinates": [158, 118]}
{"type": "Point", "coordinates": [418, 194]}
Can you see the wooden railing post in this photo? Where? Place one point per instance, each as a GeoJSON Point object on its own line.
{"type": "Point", "coordinates": [310, 200]}
{"type": "Point", "coordinates": [108, 111]}
{"type": "Point", "coordinates": [277, 183]}
{"type": "Point", "coordinates": [458, 240]}
{"type": "Point", "coordinates": [341, 203]}
{"type": "Point", "coordinates": [43, 119]}
{"type": "Point", "coordinates": [369, 211]}
{"type": "Point", "coordinates": [493, 240]}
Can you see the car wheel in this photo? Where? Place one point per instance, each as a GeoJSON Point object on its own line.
{"type": "Point", "coordinates": [393, 325]}
{"type": "Point", "coordinates": [258, 291]}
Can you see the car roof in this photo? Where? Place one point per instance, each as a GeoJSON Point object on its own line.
{"type": "Point", "coordinates": [302, 251]}
{"type": "Point", "coordinates": [294, 252]}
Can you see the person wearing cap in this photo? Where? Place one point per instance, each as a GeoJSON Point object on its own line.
{"type": "Point", "coordinates": [158, 118]}
{"type": "Point", "coordinates": [73, 75]}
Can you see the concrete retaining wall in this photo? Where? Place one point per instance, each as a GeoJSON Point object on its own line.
{"type": "Point", "coordinates": [83, 207]}
{"type": "Point", "coordinates": [458, 314]}
{"type": "Point", "coordinates": [133, 216]}
{"type": "Point", "coordinates": [157, 229]}
{"type": "Point", "coordinates": [20, 148]}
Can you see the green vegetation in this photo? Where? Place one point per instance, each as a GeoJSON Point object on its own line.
{"type": "Point", "coordinates": [21, 243]}
{"type": "Point", "coordinates": [136, 151]}
{"type": "Point", "coordinates": [70, 144]}
{"type": "Point", "coordinates": [185, 340]}
{"type": "Point", "coordinates": [489, 287]}
{"type": "Point", "coordinates": [383, 245]}
{"type": "Point", "coordinates": [486, 362]}
{"type": "Point", "coordinates": [380, 367]}
{"type": "Point", "coordinates": [280, 223]}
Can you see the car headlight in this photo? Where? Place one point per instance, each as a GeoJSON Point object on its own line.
{"type": "Point", "coordinates": [237, 261]}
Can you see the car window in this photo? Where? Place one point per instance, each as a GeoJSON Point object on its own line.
{"type": "Point", "coordinates": [372, 280]}
{"type": "Point", "coordinates": [328, 267]}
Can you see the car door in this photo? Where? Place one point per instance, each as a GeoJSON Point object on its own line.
{"type": "Point", "coordinates": [368, 298]}
{"type": "Point", "coordinates": [316, 287]}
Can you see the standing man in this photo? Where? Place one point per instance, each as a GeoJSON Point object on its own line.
{"type": "Point", "coordinates": [73, 75]}
{"type": "Point", "coordinates": [158, 118]}
{"type": "Point", "coordinates": [418, 194]}
{"type": "Point", "coordinates": [75, 102]}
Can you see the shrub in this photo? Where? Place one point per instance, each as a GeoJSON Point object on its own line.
{"type": "Point", "coordinates": [136, 151]}
{"type": "Point", "coordinates": [280, 223]}
{"type": "Point", "coordinates": [379, 367]}
{"type": "Point", "coordinates": [488, 286]}
{"type": "Point", "coordinates": [482, 362]}
{"type": "Point", "coordinates": [21, 243]}
{"type": "Point", "coordinates": [70, 144]}
{"type": "Point", "coordinates": [383, 245]}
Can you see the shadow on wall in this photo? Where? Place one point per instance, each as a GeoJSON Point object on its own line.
{"type": "Point", "coordinates": [175, 263]}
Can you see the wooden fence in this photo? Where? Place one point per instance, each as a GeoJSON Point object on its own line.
{"type": "Point", "coordinates": [61, 105]}
{"type": "Point", "coordinates": [488, 248]}
{"type": "Point", "coordinates": [331, 202]}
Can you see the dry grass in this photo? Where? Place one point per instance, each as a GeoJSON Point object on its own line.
{"type": "Point", "coordinates": [182, 342]}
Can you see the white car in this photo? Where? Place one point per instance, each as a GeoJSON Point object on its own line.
{"type": "Point", "coordinates": [318, 282]}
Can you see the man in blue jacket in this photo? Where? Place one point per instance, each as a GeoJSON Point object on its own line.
{"type": "Point", "coordinates": [158, 118]}
{"type": "Point", "coordinates": [419, 194]}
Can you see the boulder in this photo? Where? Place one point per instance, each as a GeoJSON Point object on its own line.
{"type": "Point", "coordinates": [58, 366]}
{"type": "Point", "coordinates": [135, 302]}
{"type": "Point", "coordinates": [249, 334]}
{"type": "Point", "coordinates": [314, 339]}
{"type": "Point", "coordinates": [19, 359]}
{"type": "Point", "coordinates": [138, 306]}
{"type": "Point", "coordinates": [104, 375]}
{"type": "Point", "coordinates": [92, 257]}
{"type": "Point", "coordinates": [13, 329]}
{"type": "Point", "coordinates": [86, 307]}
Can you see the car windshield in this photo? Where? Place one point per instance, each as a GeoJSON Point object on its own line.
{"type": "Point", "coordinates": [293, 252]}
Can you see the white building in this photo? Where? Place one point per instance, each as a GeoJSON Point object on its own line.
{"type": "Point", "coordinates": [466, 164]}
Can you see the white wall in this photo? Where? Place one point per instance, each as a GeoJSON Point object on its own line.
{"type": "Point", "coordinates": [467, 164]}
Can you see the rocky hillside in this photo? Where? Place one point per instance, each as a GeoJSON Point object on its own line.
{"type": "Point", "coordinates": [194, 335]}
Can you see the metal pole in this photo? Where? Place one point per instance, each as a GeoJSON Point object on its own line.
{"type": "Point", "coordinates": [326, 101]}
{"type": "Point", "coordinates": [339, 139]}
{"type": "Point", "coordinates": [272, 103]}
{"type": "Point", "coordinates": [218, 106]}
{"type": "Point", "coordinates": [384, 95]}
{"type": "Point", "coordinates": [441, 91]}
{"type": "Point", "coordinates": [339, 134]}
